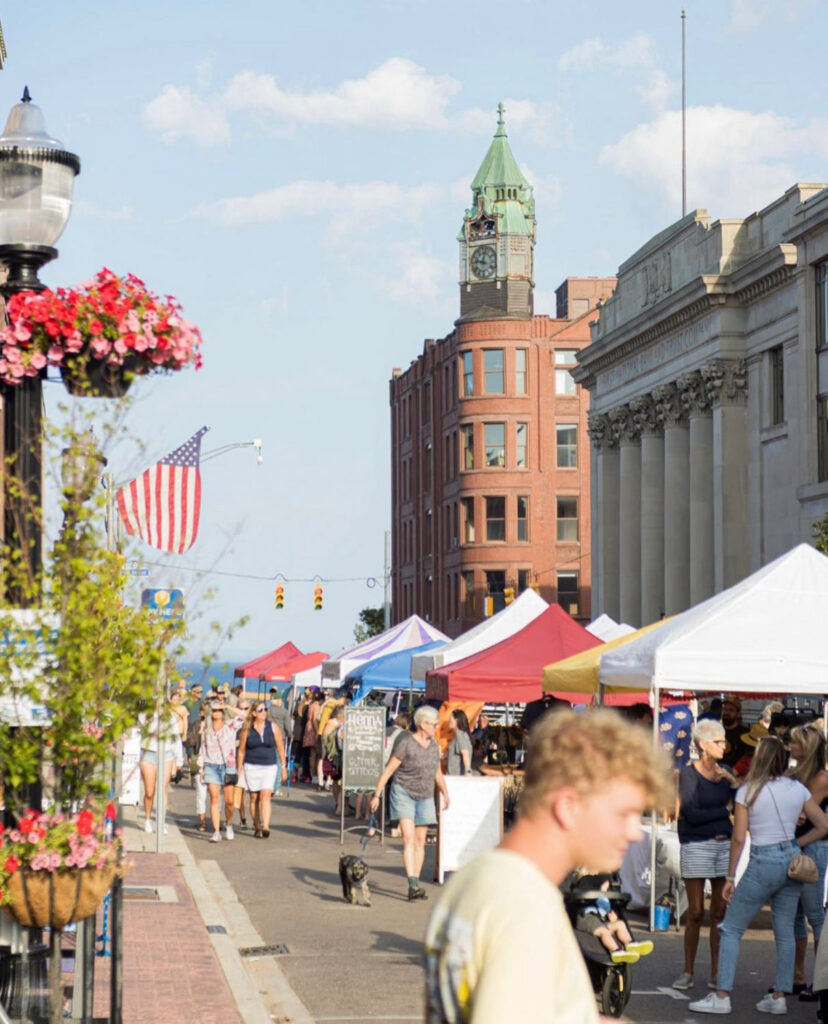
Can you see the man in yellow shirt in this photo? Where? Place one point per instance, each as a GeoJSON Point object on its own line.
{"type": "Point", "coordinates": [499, 945]}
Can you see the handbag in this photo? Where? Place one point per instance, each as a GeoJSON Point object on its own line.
{"type": "Point", "coordinates": [801, 868]}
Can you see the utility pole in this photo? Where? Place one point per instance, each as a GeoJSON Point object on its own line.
{"type": "Point", "coordinates": [683, 121]}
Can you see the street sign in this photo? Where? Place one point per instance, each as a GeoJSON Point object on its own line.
{"type": "Point", "coordinates": [139, 572]}
{"type": "Point", "coordinates": [169, 604]}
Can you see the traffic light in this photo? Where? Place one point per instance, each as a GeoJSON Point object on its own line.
{"type": "Point", "coordinates": [508, 595]}
{"type": "Point", "coordinates": [280, 596]}
{"type": "Point", "coordinates": [317, 598]}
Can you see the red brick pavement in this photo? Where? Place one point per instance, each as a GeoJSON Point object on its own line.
{"type": "Point", "coordinates": [170, 969]}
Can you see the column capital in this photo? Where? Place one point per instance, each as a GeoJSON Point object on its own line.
{"type": "Point", "coordinates": [647, 415]}
{"type": "Point", "coordinates": [624, 425]}
{"type": "Point", "coordinates": [600, 432]}
{"type": "Point", "coordinates": [694, 395]}
{"type": "Point", "coordinates": [725, 381]}
{"type": "Point", "coordinates": [668, 402]}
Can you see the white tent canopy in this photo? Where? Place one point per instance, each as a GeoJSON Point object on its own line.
{"type": "Point", "coordinates": [606, 628]}
{"type": "Point", "coordinates": [523, 610]}
{"type": "Point", "coordinates": [763, 635]}
{"type": "Point", "coordinates": [413, 632]}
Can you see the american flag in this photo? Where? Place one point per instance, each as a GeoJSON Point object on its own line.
{"type": "Point", "coordinates": [162, 505]}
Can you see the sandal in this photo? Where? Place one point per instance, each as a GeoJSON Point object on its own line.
{"type": "Point", "coordinates": [202, 826]}
{"type": "Point", "coordinates": [257, 834]}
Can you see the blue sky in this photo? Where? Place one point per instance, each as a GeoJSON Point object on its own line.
{"type": "Point", "coordinates": [296, 175]}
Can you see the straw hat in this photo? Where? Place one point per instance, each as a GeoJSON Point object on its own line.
{"type": "Point", "coordinates": [757, 732]}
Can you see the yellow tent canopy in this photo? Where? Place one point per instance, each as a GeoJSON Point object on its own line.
{"type": "Point", "coordinates": [579, 672]}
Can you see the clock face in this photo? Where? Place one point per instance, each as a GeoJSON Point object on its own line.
{"type": "Point", "coordinates": [484, 261]}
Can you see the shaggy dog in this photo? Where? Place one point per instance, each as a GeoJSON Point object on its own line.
{"type": "Point", "coordinates": [353, 871]}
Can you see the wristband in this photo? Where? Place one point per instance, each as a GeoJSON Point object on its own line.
{"type": "Point", "coordinates": [730, 878]}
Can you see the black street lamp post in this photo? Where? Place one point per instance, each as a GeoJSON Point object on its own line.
{"type": "Point", "coordinates": [37, 176]}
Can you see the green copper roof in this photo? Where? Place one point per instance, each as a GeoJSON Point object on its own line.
{"type": "Point", "coordinates": [500, 189]}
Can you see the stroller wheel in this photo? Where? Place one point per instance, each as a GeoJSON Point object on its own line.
{"type": "Point", "coordinates": [615, 990]}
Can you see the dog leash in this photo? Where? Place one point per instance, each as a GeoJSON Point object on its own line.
{"type": "Point", "coordinates": [369, 835]}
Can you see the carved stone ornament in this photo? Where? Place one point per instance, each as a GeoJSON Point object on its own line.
{"type": "Point", "coordinates": [725, 380]}
{"type": "Point", "coordinates": [624, 426]}
{"type": "Point", "coordinates": [599, 430]}
{"type": "Point", "coordinates": [646, 414]}
{"type": "Point", "coordinates": [693, 392]}
{"type": "Point", "coordinates": [668, 402]}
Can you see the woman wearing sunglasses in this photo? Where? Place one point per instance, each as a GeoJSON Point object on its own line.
{"type": "Point", "coordinates": [261, 751]}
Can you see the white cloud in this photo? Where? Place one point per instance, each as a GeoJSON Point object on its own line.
{"type": "Point", "coordinates": [397, 95]}
{"type": "Point", "coordinates": [737, 160]}
{"type": "Point", "coordinates": [86, 210]}
{"type": "Point", "coordinates": [548, 188]}
{"type": "Point", "coordinates": [420, 279]}
{"type": "Point", "coordinates": [179, 113]}
{"type": "Point", "coordinates": [350, 208]}
{"type": "Point", "coordinates": [748, 15]}
{"type": "Point", "coordinates": [636, 56]}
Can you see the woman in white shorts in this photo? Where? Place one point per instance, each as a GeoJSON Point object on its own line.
{"type": "Point", "coordinates": [261, 751]}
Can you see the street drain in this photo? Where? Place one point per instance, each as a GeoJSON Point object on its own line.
{"type": "Point", "coordinates": [150, 893]}
{"type": "Point", "coordinates": [255, 952]}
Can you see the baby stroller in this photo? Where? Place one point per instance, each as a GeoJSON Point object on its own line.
{"type": "Point", "coordinates": [611, 981]}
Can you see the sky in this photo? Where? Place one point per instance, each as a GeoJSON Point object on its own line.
{"type": "Point", "coordinates": [296, 175]}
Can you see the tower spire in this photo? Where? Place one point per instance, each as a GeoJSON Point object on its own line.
{"type": "Point", "coordinates": [501, 126]}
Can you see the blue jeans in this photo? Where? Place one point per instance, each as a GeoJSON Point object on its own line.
{"type": "Point", "coordinates": [765, 881]}
{"type": "Point", "coordinates": [812, 900]}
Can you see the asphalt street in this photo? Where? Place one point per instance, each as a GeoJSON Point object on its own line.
{"type": "Point", "coordinates": [355, 964]}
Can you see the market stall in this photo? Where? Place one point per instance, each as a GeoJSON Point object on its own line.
{"type": "Point", "coordinates": [523, 610]}
{"type": "Point", "coordinates": [264, 663]}
{"type": "Point", "coordinates": [388, 672]}
{"type": "Point", "coordinates": [413, 632]}
{"type": "Point", "coordinates": [606, 628]}
{"type": "Point", "coordinates": [285, 672]}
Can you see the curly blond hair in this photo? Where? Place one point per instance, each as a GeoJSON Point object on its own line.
{"type": "Point", "coordinates": [587, 751]}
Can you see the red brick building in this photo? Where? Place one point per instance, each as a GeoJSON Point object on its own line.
{"type": "Point", "coordinates": [490, 455]}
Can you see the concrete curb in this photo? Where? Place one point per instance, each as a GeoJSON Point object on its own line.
{"type": "Point", "coordinates": [260, 990]}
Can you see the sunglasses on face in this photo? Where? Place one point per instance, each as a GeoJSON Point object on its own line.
{"type": "Point", "coordinates": [258, 709]}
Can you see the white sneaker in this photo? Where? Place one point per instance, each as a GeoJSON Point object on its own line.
{"type": "Point", "coordinates": [767, 1004]}
{"type": "Point", "coordinates": [148, 825]}
{"type": "Point", "coordinates": [229, 834]}
{"type": "Point", "coordinates": [711, 1003]}
{"type": "Point", "coordinates": [215, 837]}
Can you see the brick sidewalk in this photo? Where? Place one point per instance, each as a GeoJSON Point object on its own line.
{"type": "Point", "coordinates": [170, 969]}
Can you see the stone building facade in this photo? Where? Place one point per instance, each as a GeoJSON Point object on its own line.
{"type": "Point", "coordinates": [490, 474]}
{"type": "Point", "coordinates": [708, 379]}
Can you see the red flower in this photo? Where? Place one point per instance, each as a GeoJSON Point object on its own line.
{"type": "Point", "coordinates": [86, 819]}
{"type": "Point", "coordinates": [111, 812]}
{"type": "Point", "coordinates": [11, 865]}
{"type": "Point", "coordinates": [26, 825]}
{"type": "Point", "coordinates": [95, 327]}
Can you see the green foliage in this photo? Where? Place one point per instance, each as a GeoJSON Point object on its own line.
{"type": "Point", "coordinates": [820, 532]}
{"type": "Point", "coordinates": [371, 623]}
{"type": "Point", "coordinates": [76, 648]}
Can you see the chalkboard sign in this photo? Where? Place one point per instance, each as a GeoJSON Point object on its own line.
{"type": "Point", "coordinates": [472, 824]}
{"type": "Point", "coordinates": [364, 746]}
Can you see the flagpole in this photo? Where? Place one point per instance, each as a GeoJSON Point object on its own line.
{"type": "Point", "coordinates": [683, 123]}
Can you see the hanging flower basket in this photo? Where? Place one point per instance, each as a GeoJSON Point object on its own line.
{"type": "Point", "coordinates": [100, 335]}
{"type": "Point", "coordinates": [57, 898]}
{"type": "Point", "coordinates": [56, 868]}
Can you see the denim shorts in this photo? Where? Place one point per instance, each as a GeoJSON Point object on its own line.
{"type": "Point", "coordinates": [214, 773]}
{"type": "Point", "coordinates": [401, 807]}
{"type": "Point", "coordinates": [151, 756]}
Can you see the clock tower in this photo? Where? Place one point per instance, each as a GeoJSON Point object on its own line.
{"type": "Point", "coordinates": [497, 239]}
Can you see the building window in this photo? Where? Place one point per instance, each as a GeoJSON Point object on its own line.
{"type": "Point", "coordinates": [822, 304]}
{"type": "Point", "coordinates": [493, 371]}
{"type": "Point", "coordinates": [564, 382]}
{"type": "Point", "coordinates": [568, 592]}
{"type": "Point", "coordinates": [567, 519]}
{"type": "Point", "coordinates": [495, 519]}
{"type": "Point", "coordinates": [822, 439]}
{"type": "Point", "coordinates": [520, 371]}
{"type": "Point", "coordinates": [495, 434]}
{"type": "Point", "coordinates": [523, 580]}
{"type": "Point", "coordinates": [521, 433]}
{"type": "Point", "coordinates": [567, 445]}
{"type": "Point", "coordinates": [523, 518]}
{"type": "Point", "coordinates": [495, 581]}
{"type": "Point", "coordinates": [468, 520]}
{"type": "Point", "coordinates": [777, 385]}
{"type": "Point", "coordinates": [469, 610]}
{"type": "Point", "coordinates": [467, 440]}
{"type": "Point", "coordinates": [427, 468]}
{"type": "Point", "coordinates": [427, 402]}
{"type": "Point", "coordinates": [468, 373]}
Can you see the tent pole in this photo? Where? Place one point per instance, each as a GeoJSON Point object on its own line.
{"type": "Point", "coordinates": [654, 694]}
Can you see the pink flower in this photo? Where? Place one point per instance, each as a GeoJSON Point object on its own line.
{"type": "Point", "coordinates": [74, 343]}
{"type": "Point", "coordinates": [100, 346]}
{"type": "Point", "coordinates": [38, 360]}
{"type": "Point", "coordinates": [55, 355]}
{"type": "Point", "coordinates": [21, 331]}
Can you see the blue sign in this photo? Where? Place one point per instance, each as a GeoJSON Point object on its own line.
{"type": "Point", "coordinates": [169, 604]}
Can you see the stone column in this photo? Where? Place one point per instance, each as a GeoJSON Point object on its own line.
{"type": "Point", "coordinates": [604, 517]}
{"type": "Point", "coordinates": [651, 427]}
{"type": "Point", "coordinates": [696, 403]}
{"type": "Point", "coordinates": [625, 429]}
{"type": "Point", "coordinates": [676, 499]}
{"type": "Point", "coordinates": [726, 382]}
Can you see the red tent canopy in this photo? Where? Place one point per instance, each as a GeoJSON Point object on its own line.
{"type": "Point", "coordinates": [282, 673]}
{"type": "Point", "coordinates": [265, 662]}
{"type": "Point", "coordinates": [512, 670]}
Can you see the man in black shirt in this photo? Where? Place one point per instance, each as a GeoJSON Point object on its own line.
{"type": "Point", "coordinates": [733, 727]}
{"type": "Point", "coordinates": [536, 709]}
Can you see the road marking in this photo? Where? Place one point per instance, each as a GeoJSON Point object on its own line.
{"type": "Point", "coordinates": [662, 990]}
